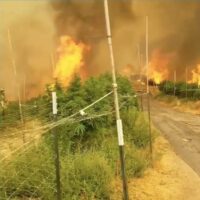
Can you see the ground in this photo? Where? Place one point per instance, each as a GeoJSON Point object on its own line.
{"type": "Point", "coordinates": [182, 130]}
{"type": "Point", "coordinates": [176, 172]}
{"type": "Point", "coordinates": [169, 179]}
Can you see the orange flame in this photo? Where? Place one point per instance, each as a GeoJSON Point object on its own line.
{"type": "Point", "coordinates": [196, 75]}
{"type": "Point", "coordinates": [157, 76]}
{"type": "Point", "coordinates": [70, 60]}
{"type": "Point", "coordinates": [158, 67]}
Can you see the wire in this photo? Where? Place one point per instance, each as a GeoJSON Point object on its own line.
{"type": "Point", "coordinates": [91, 117]}
{"type": "Point", "coordinates": [135, 95]}
{"type": "Point", "coordinates": [26, 180]}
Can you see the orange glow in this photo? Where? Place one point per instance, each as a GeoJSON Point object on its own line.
{"type": "Point", "coordinates": [127, 70]}
{"type": "Point", "coordinates": [158, 67]}
{"type": "Point", "coordinates": [196, 75]}
{"type": "Point", "coordinates": [70, 60]}
{"type": "Point", "coordinates": [157, 76]}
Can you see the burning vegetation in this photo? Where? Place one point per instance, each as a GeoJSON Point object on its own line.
{"type": "Point", "coordinates": [70, 60]}
{"type": "Point", "coordinates": [81, 25]}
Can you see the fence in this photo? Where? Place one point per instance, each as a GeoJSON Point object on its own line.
{"type": "Point", "coordinates": [30, 166]}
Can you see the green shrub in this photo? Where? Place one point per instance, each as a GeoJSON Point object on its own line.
{"type": "Point", "coordinates": [136, 162]}
{"type": "Point", "coordinates": [136, 128]}
{"type": "Point", "coordinates": [89, 149]}
{"type": "Point", "coordinates": [167, 87]}
{"type": "Point", "coordinates": [182, 89]}
{"type": "Point", "coordinates": [30, 174]}
{"type": "Point", "coordinates": [88, 176]}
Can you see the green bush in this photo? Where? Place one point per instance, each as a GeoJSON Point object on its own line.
{"type": "Point", "coordinates": [167, 87]}
{"type": "Point", "coordinates": [136, 162]}
{"type": "Point", "coordinates": [88, 176]}
{"type": "Point", "coordinates": [136, 128]}
{"type": "Point", "coordinates": [182, 89]}
{"type": "Point", "coordinates": [89, 149]}
{"type": "Point", "coordinates": [30, 174]}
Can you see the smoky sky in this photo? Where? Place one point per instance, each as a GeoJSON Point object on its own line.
{"type": "Point", "coordinates": [35, 26]}
{"type": "Point", "coordinates": [173, 28]}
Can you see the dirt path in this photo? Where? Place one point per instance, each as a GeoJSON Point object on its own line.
{"type": "Point", "coordinates": [170, 178]}
{"type": "Point", "coordinates": [181, 129]}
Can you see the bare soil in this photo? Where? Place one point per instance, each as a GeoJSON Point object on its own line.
{"type": "Point", "coordinates": [169, 179]}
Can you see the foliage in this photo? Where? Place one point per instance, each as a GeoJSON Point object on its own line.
{"type": "Point", "coordinates": [88, 148]}
{"type": "Point", "coordinates": [136, 162]}
{"type": "Point", "coordinates": [136, 128]}
{"type": "Point", "coordinates": [88, 176]}
{"type": "Point", "coordinates": [182, 89]}
{"type": "Point", "coordinates": [85, 176]}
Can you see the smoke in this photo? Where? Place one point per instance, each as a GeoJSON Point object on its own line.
{"type": "Point", "coordinates": [173, 30]}
{"type": "Point", "coordinates": [31, 30]}
{"type": "Point", "coordinates": [85, 21]}
{"type": "Point", "coordinates": [36, 27]}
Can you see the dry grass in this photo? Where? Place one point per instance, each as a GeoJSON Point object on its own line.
{"type": "Point", "coordinates": [170, 178]}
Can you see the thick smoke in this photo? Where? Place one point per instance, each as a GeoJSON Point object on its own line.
{"type": "Point", "coordinates": [36, 26]}
{"type": "Point", "coordinates": [85, 21]}
{"type": "Point", "coordinates": [31, 30]}
{"type": "Point", "coordinates": [174, 30]}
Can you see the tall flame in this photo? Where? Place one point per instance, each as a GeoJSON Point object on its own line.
{"type": "Point", "coordinates": [158, 67]}
{"type": "Point", "coordinates": [70, 60]}
{"type": "Point", "coordinates": [196, 75]}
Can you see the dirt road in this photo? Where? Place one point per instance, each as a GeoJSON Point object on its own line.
{"type": "Point", "coordinates": [181, 129]}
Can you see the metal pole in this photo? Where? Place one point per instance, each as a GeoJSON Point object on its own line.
{"type": "Point", "coordinates": [15, 74]}
{"type": "Point", "coordinates": [24, 88]}
{"type": "Point", "coordinates": [53, 63]}
{"type": "Point", "coordinates": [175, 83]}
{"type": "Point", "coordinates": [118, 119]}
{"type": "Point", "coordinates": [148, 93]}
{"type": "Point", "coordinates": [141, 103]}
{"type": "Point", "coordinates": [139, 62]}
{"type": "Point", "coordinates": [147, 52]}
{"type": "Point", "coordinates": [17, 84]}
{"type": "Point", "coordinates": [186, 92]}
{"type": "Point", "coordinates": [56, 149]}
{"type": "Point", "coordinates": [150, 133]}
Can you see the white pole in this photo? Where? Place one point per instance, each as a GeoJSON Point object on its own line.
{"type": "Point", "coordinates": [139, 62]}
{"type": "Point", "coordinates": [147, 52]}
{"type": "Point", "coordinates": [186, 80]}
{"type": "Point", "coordinates": [174, 82]}
{"type": "Point", "coordinates": [53, 63]}
{"type": "Point", "coordinates": [148, 93]}
{"type": "Point", "coordinates": [24, 88]}
{"type": "Point", "coordinates": [56, 149]}
{"type": "Point", "coordinates": [54, 103]}
{"type": "Point", "coordinates": [15, 74]}
{"type": "Point", "coordinates": [118, 119]}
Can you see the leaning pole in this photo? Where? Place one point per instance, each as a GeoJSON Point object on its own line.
{"type": "Point", "coordinates": [148, 91]}
{"type": "Point", "coordinates": [118, 119]}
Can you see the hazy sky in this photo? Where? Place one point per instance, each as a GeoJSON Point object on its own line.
{"type": "Point", "coordinates": [35, 27]}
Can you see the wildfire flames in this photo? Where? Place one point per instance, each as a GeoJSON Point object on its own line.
{"type": "Point", "coordinates": [158, 67]}
{"type": "Point", "coordinates": [196, 75]}
{"type": "Point", "coordinates": [70, 59]}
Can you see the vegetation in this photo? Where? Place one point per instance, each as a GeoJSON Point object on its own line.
{"type": "Point", "coordinates": [180, 89]}
{"type": "Point", "coordinates": [88, 148]}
